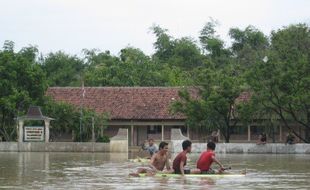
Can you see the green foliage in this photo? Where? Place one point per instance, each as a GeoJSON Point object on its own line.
{"type": "Point", "coordinates": [210, 41]}
{"type": "Point", "coordinates": [62, 69]}
{"type": "Point", "coordinates": [68, 119]}
{"type": "Point", "coordinates": [22, 83]}
{"type": "Point", "coordinates": [216, 108]}
{"type": "Point", "coordinates": [282, 83]}
{"type": "Point", "coordinates": [279, 86]}
{"type": "Point", "coordinates": [104, 139]}
{"type": "Point", "coordinates": [249, 45]}
{"type": "Point", "coordinates": [132, 68]}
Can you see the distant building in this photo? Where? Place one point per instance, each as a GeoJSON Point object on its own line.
{"type": "Point", "coordinates": [145, 112]}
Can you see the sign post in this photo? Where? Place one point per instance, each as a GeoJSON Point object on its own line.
{"type": "Point", "coordinates": [34, 133]}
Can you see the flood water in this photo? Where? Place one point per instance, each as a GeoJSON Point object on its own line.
{"type": "Point", "coordinates": [33, 170]}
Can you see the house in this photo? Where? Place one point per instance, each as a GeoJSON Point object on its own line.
{"type": "Point", "coordinates": [145, 111]}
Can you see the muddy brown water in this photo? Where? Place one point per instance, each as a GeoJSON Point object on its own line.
{"type": "Point", "coordinates": [33, 170]}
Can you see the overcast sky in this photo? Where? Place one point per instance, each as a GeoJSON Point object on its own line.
{"type": "Point", "coordinates": [71, 25]}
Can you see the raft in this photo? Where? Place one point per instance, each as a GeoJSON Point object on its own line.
{"type": "Point", "coordinates": [195, 175]}
{"type": "Point", "coordinates": [141, 160]}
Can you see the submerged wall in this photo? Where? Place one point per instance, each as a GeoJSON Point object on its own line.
{"type": "Point", "coordinates": [54, 147]}
{"type": "Point", "coordinates": [275, 148]}
{"type": "Point", "coordinates": [118, 143]}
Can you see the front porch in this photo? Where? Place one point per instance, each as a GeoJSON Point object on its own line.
{"type": "Point", "coordinates": [139, 131]}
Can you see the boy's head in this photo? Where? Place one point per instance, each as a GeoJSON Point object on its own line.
{"type": "Point", "coordinates": [163, 146]}
{"type": "Point", "coordinates": [187, 145]}
{"type": "Point", "coordinates": [151, 142]}
{"type": "Point", "coordinates": [211, 145]}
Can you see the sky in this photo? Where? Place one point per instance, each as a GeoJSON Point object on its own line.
{"type": "Point", "coordinates": [73, 25]}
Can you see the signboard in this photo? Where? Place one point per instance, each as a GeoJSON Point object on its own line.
{"type": "Point", "coordinates": [34, 133]}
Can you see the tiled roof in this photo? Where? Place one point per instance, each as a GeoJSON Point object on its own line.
{"type": "Point", "coordinates": [143, 103]}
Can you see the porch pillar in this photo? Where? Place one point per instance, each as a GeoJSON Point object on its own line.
{"type": "Point", "coordinates": [249, 132]}
{"type": "Point", "coordinates": [131, 136]}
{"type": "Point", "coordinates": [20, 131]}
{"type": "Point", "coordinates": [93, 136]}
{"type": "Point", "coordinates": [47, 130]}
{"type": "Point", "coordinates": [280, 133]}
{"type": "Point", "coordinates": [162, 132]}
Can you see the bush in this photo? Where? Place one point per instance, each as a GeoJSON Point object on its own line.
{"type": "Point", "coordinates": [104, 139]}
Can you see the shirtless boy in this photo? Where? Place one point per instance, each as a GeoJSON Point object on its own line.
{"type": "Point", "coordinates": [158, 162]}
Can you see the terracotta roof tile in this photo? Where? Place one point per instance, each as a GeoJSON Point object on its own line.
{"type": "Point", "coordinates": [149, 103]}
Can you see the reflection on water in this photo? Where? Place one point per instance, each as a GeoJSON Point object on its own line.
{"type": "Point", "coordinates": [110, 171]}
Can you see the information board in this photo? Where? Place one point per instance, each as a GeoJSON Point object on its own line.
{"type": "Point", "coordinates": [34, 133]}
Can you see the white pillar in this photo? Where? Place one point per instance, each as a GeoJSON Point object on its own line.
{"type": "Point", "coordinates": [131, 136]}
{"type": "Point", "coordinates": [162, 132]}
{"type": "Point", "coordinates": [47, 130]}
{"type": "Point", "coordinates": [93, 130]}
{"type": "Point", "coordinates": [249, 132]}
{"type": "Point", "coordinates": [20, 131]}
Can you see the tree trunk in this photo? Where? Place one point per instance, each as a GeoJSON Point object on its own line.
{"type": "Point", "coordinates": [227, 134]}
{"type": "Point", "coordinates": [307, 130]}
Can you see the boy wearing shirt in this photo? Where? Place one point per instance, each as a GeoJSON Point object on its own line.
{"type": "Point", "coordinates": [207, 158]}
{"type": "Point", "coordinates": [180, 160]}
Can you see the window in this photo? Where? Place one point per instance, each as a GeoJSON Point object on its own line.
{"type": "Point", "coordinates": [154, 129]}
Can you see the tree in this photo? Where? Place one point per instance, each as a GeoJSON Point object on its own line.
{"type": "Point", "coordinates": [22, 83]}
{"type": "Point", "coordinates": [163, 45]}
{"type": "Point", "coordinates": [67, 120]}
{"type": "Point", "coordinates": [282, 84]}
{"type": "Point", "coordinates": [215, 107]}
{"type": "Point", "coordinates": [213, 46]}
{"type": "Point", "coordinates": [248, 45]}
{"type": "Point", "coordinates": [62, 69]}
{"type": "Point", "coordinates": [131, 68]}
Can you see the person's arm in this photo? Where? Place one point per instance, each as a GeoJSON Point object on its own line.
{"type": "Point", "coordinates": [168, 164]}
{"type": "Point", "coordinates": [182, 167]}
{"type": "Point", "coordinates": [218, 162]}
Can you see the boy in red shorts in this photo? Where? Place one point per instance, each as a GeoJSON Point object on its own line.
{"type": "Point", "coordinates": [207, 158]}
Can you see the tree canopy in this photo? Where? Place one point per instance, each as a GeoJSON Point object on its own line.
{"type": "Point", "coordinates": [274, 68]}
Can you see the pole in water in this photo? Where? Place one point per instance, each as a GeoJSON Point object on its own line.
{"type": "Point", "coordinates": [81, 116]}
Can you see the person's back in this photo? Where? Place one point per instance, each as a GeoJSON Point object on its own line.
{"type": "Point", "coordinates": [205, 160]}
{"type": "Point", "coordinates": [180, 160]}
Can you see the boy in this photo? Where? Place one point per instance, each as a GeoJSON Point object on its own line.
{"type": "Point", "coordinates": [151, 148]}
{"type": "Point", "coordinates": [158, 162]}
{"type": "Point", "coordinates": [207, 158]}
{"type": "Point", "coordinates": [180, 160]}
